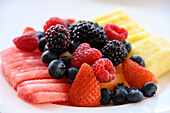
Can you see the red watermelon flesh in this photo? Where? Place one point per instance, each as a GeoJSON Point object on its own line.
{"type": "Point", "coordinates": [44, 97]}
{"type": "Point", "coordinates": [42, 81]}
{"type": "Point", "coordinates": [50, 87]}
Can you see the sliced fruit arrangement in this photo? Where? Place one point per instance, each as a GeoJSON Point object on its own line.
{"type": "Point", "coordinates": [84, 63]}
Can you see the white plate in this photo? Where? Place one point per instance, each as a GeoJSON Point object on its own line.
{"type": "Point", "coordinates": [16, 15]}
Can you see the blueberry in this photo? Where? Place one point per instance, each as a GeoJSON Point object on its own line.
{"type": "Point", "coordinates": [45, 48]}
{"type": "Point", "coordinates": [42, 43]}
{"type": "Point", "coordinates": [106, 96]}
{"type": "Point", "coordinates": [149, 89]}
{"type": "Point", "coordinates": [68, 23]}
{"type": "Point", "coordinates": [120, 96]}
{"type": "Point", "coordinates": [73, 46]}
{"type": "Point", "coordinates": [132, 88]}
{"type": "Point", "coordinates": [48, 56]}
{"type": "Point", "coordinates": [127, 45]}
{"type": "Point", "coordinates": [40, 34]}
{"type": "Point", "coordinates": [120, 86]}
{"type": "Point", "coordinates": [71, 74]}
{"type": "Point", "coordinates": [138, 59]}
{"type": "Point", "coordinates": [66, 60]}
{"type": "Point", "coordinates": [134, 96]}
{"type": "Point", "coordinates": [57, 69]}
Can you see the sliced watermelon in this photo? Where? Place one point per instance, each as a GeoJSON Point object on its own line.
{"type": "Point", "coordinates": [31, 75]}
{"type": "Point", "coordinates": [44, 97]}
{"type": "Point", "coordinates": [50, 87]}
{"type": "Point", "coordinates": [42, 81]}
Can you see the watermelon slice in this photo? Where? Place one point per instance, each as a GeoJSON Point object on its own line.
{"type": "Point", "coordinates": [42, 81]}
{"type": "Point", "coordinates": [50, 87]}
{"type": "Point", "coordinates": [44, 97]}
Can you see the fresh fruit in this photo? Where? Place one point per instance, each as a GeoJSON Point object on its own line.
{"type": "Point", "coordinates": [73, 46]}
{"type": "Point", "coordinates": [57, 69]}
{"type": "Point", "coordinates": [50, 87]}
{"type": "Point", "coordinates": [128, 46]}
{"type": "Point", "coordinates": [149, 89]}
{"type": "Point", "coordinates": [88, 32]}
{"type": "Point", "coordinates": [52, 22]}
{"type": "Point", "coordinates": [71, 74]}
{"type": "Point", "coordinates": [28, 29]}
{"type": "Point", "coordinates": [120, 96]}
{"type": "Point", "coordinates": [115, 51]}
{"type": "Point", "coordinates": [68, 23]}
{"type": "Point", "coordinates": [120, 86]}
{"type": "Point", "coordinates": [85, 54]}
{"type": "Point", "coordinates": [70, 20]}
{"type": "Point", "coordinates": [42, 43]}
{"type": "Point", "coordinates": [85, 90]}
{"type": "Point", "coordinates": [45, 48]}
{"type": "Point", "coordinates": [40, 34]}
{"type": "Point", "coordinates": [26, 42]}
{"type": "Point", "coordinates": [106, 96]}
{"type": "Point", "coordinates": [136, 75]}
{"type": "Point", "coordinates": [104, 70]}
{"type": "Point", "coordinates": [45, 97]}
{"type": "Point", "coordinates": [114, 32]}
{"type": "Point", "coordinates": [48, 56]}
{"type": "Point", "coordinates": [66, 60]}
{"type": "Point", "coordinates": [66, 54]}
{"type": "Point", "coordinates": [134, 96]}
{"type": "Point", "coordinates": [132, 88]}
{"type": "Point", "coordinates": [58, 39]}
{"type": "Point", "coordinates": [119, 78]}
{"type": "Point", "coordinates": [138, 59]}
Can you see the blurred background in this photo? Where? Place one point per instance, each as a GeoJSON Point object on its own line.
{"type": "Point", "coordinates": [15, 15]}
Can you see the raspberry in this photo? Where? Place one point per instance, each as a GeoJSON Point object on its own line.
{"type": "Point", "coordinates": [115, 51]}
{"type": "Point", "coordinates": [104, 70]}
{"type": "Point", "coordinates": [114, 32]}
{"type": "Point", "coordinates": [88, 32]}
{"type": "Point", "coordinates": [85, 54]}
{"type": "Point", "coordinates": [58, 39]}
{"type": "Point", "coordinates": [70, 20]}
{"type": "Point", "coordinates": [27, 42]}
{"type": "Point", "coordinates": [28, 29]}
{"type": "Point", "coordinates": [52, 22]}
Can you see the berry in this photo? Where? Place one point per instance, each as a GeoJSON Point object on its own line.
{"type": "Point", "coordinates": [134, 96]}
{"type": "Point", "coordinates": [115, 51]}
{"type": "Point", "coordinates": [70, 20]}
{"type": "Point", "coordinates": [40, 34]}
{"type": "Point", "coordinates": [104, 70]}
{"type": "Point", "coordinates": [85, 54]}
{"type": "Point", "coordinates": [58, 39]}
{"type": "Point", "coordinates": [85, 90]}
{"type": "Point", "coordinates": [138, 59]}
{"type": "Point", "coordinates": [27, 42]}
{"type": "Point", "coordinates": [68, 23]}
{"type": "Point", "coordinates": [106, 96]}
{"type": "Point", "coordinates": [120, 96]}
{"type": "Point", "coordinates": [114, 32]}
{"type": "Point", "coordinates": [57, 69]}
{"type": "Point", "coordinates": [52, 22]}
{"type": "Point", "coordinates": [66, 60]}
{"type": "Point", "coordinates": [136, 75]}
{"type": "Point", "coordinates": [71, 74]}
{"type": "Point", "coordinates": [119, 86]}
{"type": "Point", "coordinates": [149, 89]}
{"type": "Point", "coordinates": [88, 32]}
{"type": "Point", "coordinates": [132, 88]}
{"type": "Point", "coordinates": [73, 46]}
{"type": "Point", "coordinates": [42, 43]}
{"type": "Point", "coordinates": [128, 46]}
{"type": "Point", "coordinates": [48, 56]}
{"type": "Point", "coordinates": [28, 29]}
{"type": "Point", "coordinates": [45, 47]}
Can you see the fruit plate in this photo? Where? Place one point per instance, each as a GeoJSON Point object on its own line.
{"type": "Point", "coordinates": [10, 103]}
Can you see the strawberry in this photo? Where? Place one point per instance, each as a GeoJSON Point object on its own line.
{"type": "Point", "coordinates": [136, 75]}
{"type": "Point", "coordinates": [85, 90]}
{"type": "Point", "coordinates": [27, 42]}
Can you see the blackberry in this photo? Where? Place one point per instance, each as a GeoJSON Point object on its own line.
{"type": "Point", "coordinates": [88, 32]}
{"type": "Point", "coordinates": [115, 51]}
{"type": "Point", "coordinates": [58, 39]}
